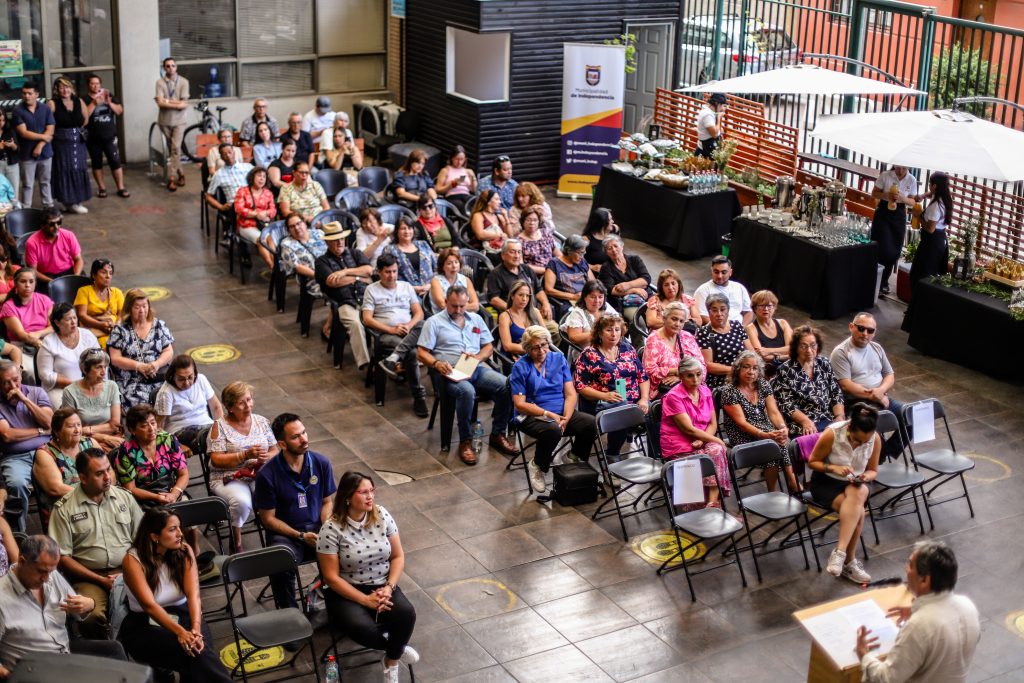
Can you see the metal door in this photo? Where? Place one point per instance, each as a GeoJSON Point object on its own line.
{"type": "Point", "coordinates": [653, 70]}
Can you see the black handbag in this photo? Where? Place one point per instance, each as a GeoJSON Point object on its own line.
{"type": "Point", "coordinates": [575, 483]}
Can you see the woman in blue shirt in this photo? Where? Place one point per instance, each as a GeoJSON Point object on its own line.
{"type": "Point", "coordinates": [545, 403]}
{"type": "Point", "coordinates": [417, 262]}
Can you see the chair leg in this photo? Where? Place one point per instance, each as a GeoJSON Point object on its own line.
{"type": "Point", "coordinates": [967, 495]}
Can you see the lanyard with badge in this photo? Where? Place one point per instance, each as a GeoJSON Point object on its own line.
{"type": "Point", "coordinates": [301, 498]}
{"type": "Point", "coordinates": [171, 87]}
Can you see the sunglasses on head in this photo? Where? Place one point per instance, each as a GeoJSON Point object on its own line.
{"type": "Point", "coordinates": [863, 328]}
{"type": "Point", "coordinates": [503, 158]}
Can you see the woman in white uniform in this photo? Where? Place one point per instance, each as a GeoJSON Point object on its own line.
{"type": "Point", "coordinates": [709, 130]}
{"type": "Point", "coordinates": [895, 190]}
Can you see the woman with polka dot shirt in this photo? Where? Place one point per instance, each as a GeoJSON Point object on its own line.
{"type": "Point", "coordinates": [361, 560]}
{"type": "Point", "coordinates": [721, 341]}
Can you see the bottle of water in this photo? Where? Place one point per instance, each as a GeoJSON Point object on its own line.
{"type": "Point", "coordinates": [331, 671]}
{"type": "Point", "coordinates": [478, 436]}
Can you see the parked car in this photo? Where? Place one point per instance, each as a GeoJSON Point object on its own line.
{"type": "Point", "coordinates": [764, 47]}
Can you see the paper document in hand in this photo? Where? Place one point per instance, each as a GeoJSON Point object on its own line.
{"type": "Point", "coordinates": [835, 632]}
{"type": "Point", "coordinates": [464, 369]}
{"type": "Point", "coordinates": [687, 484]}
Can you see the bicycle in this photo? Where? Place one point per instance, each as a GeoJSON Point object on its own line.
{"type": "Point", "coordinates": [208, 124]}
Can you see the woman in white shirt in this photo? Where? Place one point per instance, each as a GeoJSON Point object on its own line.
{"type": "Point", "coordinates": [933, 252]}
{"type": "Point", "coordinates": [164, 627]}
{"type": "Point", "coordinates": [186, 405]}
{"type": "Point", "coordinates": [58, 356]}
{"type": "Point", "coordinates": [845, 460]}
{"type": "Point", "coordinates": [361, 561]}
{"type": "Point", "coordinates": [582, 317]}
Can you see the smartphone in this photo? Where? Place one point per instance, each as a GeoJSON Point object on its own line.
{"type": "Point", "coordinates": [620, 388]}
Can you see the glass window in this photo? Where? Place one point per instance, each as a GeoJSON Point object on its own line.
{"type": "Point", "coordinates": [478, 65]}
{"type": "Point", "coordinates": [351, 74]}
{"type": "Point", "coordinates": [22, 22]}
{"type": "Point", "coordinates": [84, 37]}
{"type": "Point", "coordinates": [81, 82]}
{"type": "Point", "coordinates": [363, 21]}
{"type": "Point", "coordinates": [277, 78]}
{"type": "Point", "coordinates": [198, 29]}
{"type": "Point", "coordinates": [271, 28]}
{"type": "Point", "coordinates": [217, 80]}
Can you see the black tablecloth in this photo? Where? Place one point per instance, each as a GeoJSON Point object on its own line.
{"type": "Point", "coordinates": [966, 328]}
{"type": "Point", "coordinates": [826, 282]}
{"type": "Point", "coordinates": [687, 224]}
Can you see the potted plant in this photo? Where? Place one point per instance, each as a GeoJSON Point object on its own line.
{"type": "Point", "coordinates": [964, 261]}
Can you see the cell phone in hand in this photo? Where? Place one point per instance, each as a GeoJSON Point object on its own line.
{"type": "Point", "coordinates": [620, 388]}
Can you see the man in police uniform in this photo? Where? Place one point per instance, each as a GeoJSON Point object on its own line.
{"type": "Point", "coordinates": [94, 525]}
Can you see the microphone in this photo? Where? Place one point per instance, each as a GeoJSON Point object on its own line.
{"type": "Point", "coordinates": [891, 581]}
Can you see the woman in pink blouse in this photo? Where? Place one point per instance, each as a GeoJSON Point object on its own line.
{"type": "Point", "coordinates": [670, 288]}
{"type": "Point", "coordinates": [689, 426]}
{"type": "Point", "coordinates": [254, 208]}
{"type": "Point", "coordinates": [666, 347]}
{"type": "Point", "coordinates": [26, 313]}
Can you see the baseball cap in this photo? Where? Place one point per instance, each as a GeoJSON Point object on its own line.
{"type": "Point", "coordinates": [324, 102]}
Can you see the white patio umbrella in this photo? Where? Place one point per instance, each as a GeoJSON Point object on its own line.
{"type": "Point", "coordinates": [801, 79]}
{"type": "Point", "coordinates": [953, 141]}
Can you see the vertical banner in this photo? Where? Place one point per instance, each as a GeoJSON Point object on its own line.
{"type": "Point", "coordinates": [593, 85]}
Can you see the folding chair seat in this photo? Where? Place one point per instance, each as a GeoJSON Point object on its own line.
{"type": "Point", "coordinates": [946, 463]}
{"type": "Point", "coordinates": [713, 525]}
{"type": "Point", "coordinates": [445, 405]}
{"type": "Point", "coordinates": [896, 478]}
{"type": "Point", "coordinates": [770, 506]}
{"type": "Point", "coordinates": [265, 629]}
{"type": "Point", "coordinates": [631, 471]}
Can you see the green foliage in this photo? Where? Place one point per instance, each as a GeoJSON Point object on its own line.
{"type": "Point", "coordinates": [910, 251]}
{"type": "Point", "coordinates": [629, 40]}
{"type": "Point", "coordinates": [961, 72]}
{"type": "Point", "coordinates": [991, 289]}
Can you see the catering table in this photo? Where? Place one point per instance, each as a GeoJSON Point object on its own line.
{"type": "Point", "coordinates": [827, 282]}
{"type": "Point", "coordinates": [966, 328]}
{"type": "Point", "coordinates": [687, 224]}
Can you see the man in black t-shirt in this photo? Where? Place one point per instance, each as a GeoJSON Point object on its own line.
{"type": "Point", "coordinates": [305, 150]}
{"type": "Point", "coordinates": [343, 274]}
{"type": "Point", "coordinates": [102, 110]}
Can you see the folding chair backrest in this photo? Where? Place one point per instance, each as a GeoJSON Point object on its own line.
{"type": "Point", "coordinates": [374, 178]}
{"type": "Point", "coordinates": [939, 414]}
{"type": "Point", "coordinates": [257, 564]}
{"type": "Point", "coordinates": [22, 221]}
{"type": "Point", "coordinates": [390, 213]}
{"type": "Point", "coordinates": [64, 289]}
{"type": "Point", "coordinates": [654, 430]}
{"type": "Point", "coordinates": [754, 453]}
{"type": "Point", "coordinates": [340, 215]}
{"type": "Point", "coordinates": [446, 209]}
{"type": "Point", "coordinates": [201, 511]}
{"type": "Point", "coordinates": [620, 417]}
{"type": "Point", "coordinates": [333, 181]}
{"type": "Point", "coordinates": [707, 469]}
{"type": "Point", "coordinates": [273, 233]}
{"type": "Point", "coordinates": [355, 199]}
{"type": "Point", "coordinates": [480, 264]}
{"type": "Point", "coordinates": [640, 321]}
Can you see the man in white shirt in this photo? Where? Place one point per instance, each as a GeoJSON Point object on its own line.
{"type": "Point", "coordinates": [392, 309]}
{"type": "Point", "coordinates": [939, 631]}
{"type": "Point", "coordinates": [319, 118]}
{"type": "Point", "coordinates": [894, 190]}
{"type": "Point", "coordinates": [739, 297]}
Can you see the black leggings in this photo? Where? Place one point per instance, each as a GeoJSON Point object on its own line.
{"type": "Point", "coordinates": [158, 647]}
{"type": "Point", "coordinates": [97, 148]}
{"type": "Point", "coordinates": [389, 631]}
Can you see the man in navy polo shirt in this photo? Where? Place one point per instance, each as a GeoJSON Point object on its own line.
{"type": "Point", "coordinates": [34, 124]}
{"type": "Point", "coordinates": [293, 498]}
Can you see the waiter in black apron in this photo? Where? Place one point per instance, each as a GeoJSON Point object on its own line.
{"type": "Point", "coordinates": [709, 129]}
{"type": "Point", "coordinates": [894, 190]}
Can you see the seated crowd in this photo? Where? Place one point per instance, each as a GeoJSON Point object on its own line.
{"type": "Point", "coordinates": [558, 331]}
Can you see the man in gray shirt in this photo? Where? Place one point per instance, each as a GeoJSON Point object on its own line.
{"type": "Point", "coordinates": [35, 601]}
{"type": "Point", "coordinates": [864, 373]}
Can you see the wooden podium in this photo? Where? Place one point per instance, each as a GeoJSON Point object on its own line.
{"type": "Point", "coordinates": [821, 668]}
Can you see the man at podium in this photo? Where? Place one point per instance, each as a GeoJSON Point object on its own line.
{"type": "Point", "coordinates": [939, 631]}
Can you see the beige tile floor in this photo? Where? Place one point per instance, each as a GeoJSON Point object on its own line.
{"type": "Point", "coordinates": [508, 589]}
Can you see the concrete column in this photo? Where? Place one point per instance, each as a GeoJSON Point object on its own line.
{"type": "Point", "coordinates": [139, 40]}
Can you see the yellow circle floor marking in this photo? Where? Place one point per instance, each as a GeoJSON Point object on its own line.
{"type": "Point", "coordinates": [1006, 471]}
{"type": "Point", "coordinates": [1015, 622]}
{"type": "Point", "coordinates": [208, 354]}
{"type": "Point", "coordinates": [658, 546]}
{"type": "Point", "coordinates": [262, 660]}
{"type": "Point", "coordinates": [155, 293]}
{"type": "Point", "coordinates": [488, 587]}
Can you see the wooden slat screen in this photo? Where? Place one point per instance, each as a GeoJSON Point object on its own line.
{"type": "Point", "coordinates": [1001, 213]}
{"type": "Point", "coordinates": [766, 145]}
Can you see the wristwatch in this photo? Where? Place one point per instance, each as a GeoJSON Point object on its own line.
{"type": "Point", "coordinates": [42, 432]}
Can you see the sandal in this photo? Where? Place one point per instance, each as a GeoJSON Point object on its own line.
{"type": "Point", "coordinates": [171, 185]}
{"type": "Point", "coordinates": [102, 194]}
{"type": "Point", "coordinates": [124, 193]}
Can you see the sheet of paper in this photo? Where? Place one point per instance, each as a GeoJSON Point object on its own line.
{"type": "Point", "coordinates": [836, 631]}
{"type": "Point", "coordinates": [923, 415]}
{"type": "Point", "coordinates": [688, 485]}
{"type": "Point", "coordinates": [464, 369]}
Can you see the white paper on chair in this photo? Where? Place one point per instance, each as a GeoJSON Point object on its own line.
{"type": "Point", "coordinates": [836, 631]}
{"type": "Point", "coordinates": [923, 415]}
{"type": "Point", "coordinates": [688, 484]}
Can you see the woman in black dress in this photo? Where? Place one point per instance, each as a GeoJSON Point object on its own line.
{"type": "Point", "coordinates": [71, 184]}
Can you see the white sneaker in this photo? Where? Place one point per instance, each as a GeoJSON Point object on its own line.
{"type": "Point", "coordinates": [78, 208]}
{"type": "Point", "coordinates": [409, 656]}
{"type": "Point", "coordinates": [536, 475]}
{"type": "Point", "coordinates": [854, 571]}
{"type": "Point", "coordinates": [835, 562]}
{"type": "Point", "coordinates": [390, 673]}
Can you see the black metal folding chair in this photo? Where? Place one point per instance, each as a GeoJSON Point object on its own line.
{"type": "Point", "coordinates": [946, 463]}
{"type": "Point", "coordinates": [897, 479]}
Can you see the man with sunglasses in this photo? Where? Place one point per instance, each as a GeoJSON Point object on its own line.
{"type": "Point", "coordinates": [53, 251]}
{"type": "Point", "coordinates": [501, 181]}
{"type": "Point", "coordinates": [864, 373]}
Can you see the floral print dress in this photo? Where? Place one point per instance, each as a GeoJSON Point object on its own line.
{"type": "Point", "coordinates": [597, 372]}
{"type": "Point", "coordinates": [135, 388]}
{"type": "Point", "coordinates": [755, 414]}
{"type": "Point", "coordinates": [814, 397]}
{"type": "Point", "coordinates": [661, 356]}
{"type": "Point", "coordinates": [156, 476]}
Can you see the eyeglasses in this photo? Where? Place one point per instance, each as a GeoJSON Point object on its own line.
{"type": "Point", "coordinates": [368, 494]}
{"type": "Point", "coordinates": [808, 346]}
{"type": "Point", "coordinates": [863, 328]}
{"type": "Point", "coordinates": [765, 306]}
{"type": "Point", "coordinates": [540, 345]}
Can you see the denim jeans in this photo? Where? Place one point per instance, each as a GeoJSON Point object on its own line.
{"type": "Point", "coordinates": [489, 384]}
{"type": "Point", "coordinates": [16, 477]}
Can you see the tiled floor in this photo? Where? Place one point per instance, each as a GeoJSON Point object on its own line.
{"type": "Point", "coordinates": [509, 589]}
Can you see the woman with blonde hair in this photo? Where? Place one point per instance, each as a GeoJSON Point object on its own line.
{"type": "Point", "coordinates": [140, 346]}
{"type": "Point", "coordinates": [528, 195]}
{"type": "Point", "coordinates": [240, 443]}
{"type": "Point", "coordinates": [71, 184]}
{"type": "Point", "coordinates": [514, 320]}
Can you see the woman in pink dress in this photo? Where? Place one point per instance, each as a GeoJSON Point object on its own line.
{"type": "Point", "coordinates": [666, 347]}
